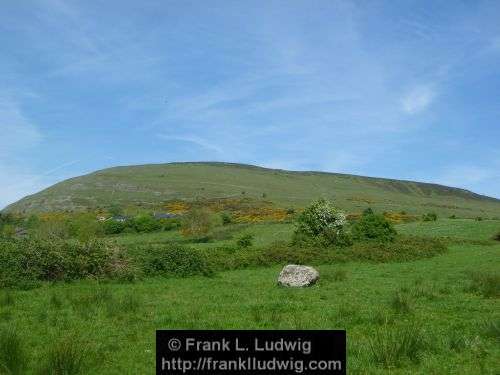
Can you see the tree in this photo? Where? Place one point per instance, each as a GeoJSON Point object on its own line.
{"type": "Point", "coordinates": [321, 222]}
{"type": "Point", "coordinates": [146, 223]}
{"type": "Point", "coordinates": [115, 210]}
{"type": "Point", "coordinates": [196, 223]}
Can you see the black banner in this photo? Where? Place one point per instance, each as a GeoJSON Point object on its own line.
{"type": "Point", "coordinates": [250, 352]}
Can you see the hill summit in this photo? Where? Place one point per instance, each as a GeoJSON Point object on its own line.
{"type": "Point", "coordinates": [149, 186]}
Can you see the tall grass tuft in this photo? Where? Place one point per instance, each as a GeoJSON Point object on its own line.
{"type": "Point", "coordinates": [492, 329]}
{"type": "Point", "coordinates": [127, 305]}
{"type": "Point", "coordinates": [66, 357]}
{"type": "Point", "coordinates": [486, 284]}
{"type": "Point", "coordinates": [55, 301]}
{"type": "Point", "coordinates": [391, 347]}
{"type": "Point", "coordinates": [401, 303]}
{"type": "Point", "coordinates": [13, 357]}
{"type": "Point", "coordinates": [7, 298]}
{"type": "Point", "coordinates": [339, 274]}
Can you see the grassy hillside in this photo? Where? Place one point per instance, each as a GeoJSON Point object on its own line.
{"type": "Point", "coordinates": [150, 185]}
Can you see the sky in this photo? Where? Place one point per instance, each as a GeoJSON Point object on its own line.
{"type": "Point", "coordinates": [397, 89]}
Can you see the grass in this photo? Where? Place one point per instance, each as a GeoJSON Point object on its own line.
{"type": "Point", "coordinates": [66, 357]}
{"type": "Point", "coordinates": [486, 284]}
{"type": "Point", "coordinates": [464, 229]}
{"type": "Point", "coordinates": [12, 354]}
{"type": "Point", "coordinates": [152, 185]}
{"type": "Point", "coordinates": [392, 346]}
{"type": "Point", "coordinates": [419, 317]}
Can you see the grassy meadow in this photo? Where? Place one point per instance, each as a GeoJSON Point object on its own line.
{"type": "Point", "coordinates": [439, 315]}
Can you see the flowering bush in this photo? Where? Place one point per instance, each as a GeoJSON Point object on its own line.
{"type": "Point", "coordinates": [322, 222]}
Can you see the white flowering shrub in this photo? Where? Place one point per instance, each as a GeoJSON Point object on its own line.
{"type": "Point", "coordinates": [322, 222]}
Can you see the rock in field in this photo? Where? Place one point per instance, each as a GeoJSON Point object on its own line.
{"type": "Point", "coordinates": [298, 276]}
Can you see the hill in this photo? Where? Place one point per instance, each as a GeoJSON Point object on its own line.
{"type": "Point", "coordinates": [151, 185]}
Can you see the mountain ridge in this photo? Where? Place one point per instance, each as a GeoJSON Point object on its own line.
{"type": "Point", "coordinates": [151, 184]}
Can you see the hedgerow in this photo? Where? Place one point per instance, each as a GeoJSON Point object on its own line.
{"type": "Point", "coordinates": [26, 262]}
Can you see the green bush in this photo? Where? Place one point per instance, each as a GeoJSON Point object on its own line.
{"type": "Point", "coordinates": [84, 227]}
{"type": "Point", "coordinates": [169, 224]}
{"type": "Point", "coordinates": [245, 240]}
{"type": "Point", "coordinates": [26, 262]}
{"type": "Point", "coordinates": [145, 224]}
{"type": "Point", "coordinates": [368, 211]}
{"type": "Point", "coordinates": [321, 223]}
{"type": "Point", "coordinates": [226, 218]}
{"type": "Point", "coordinates": [373, 227]}
{"type": "Point", "coordinates": [496, 237]}
{"type": "Point", "coordinates": [431, 216]}
{"type": "Point", "coordinates": [113, 227]}
{"type": "Point", "coordinates": [176, 260]}
{"type": "Point", "coordinates": [401, 250]}
{"type": "Point", "coordinates": [197, 223]}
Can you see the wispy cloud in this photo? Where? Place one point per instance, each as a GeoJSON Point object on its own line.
{"type": "Point", "coordinates": [17, 131]}
{"type": "Point", "coordinates": [198, 141]}
{"type": "Point", "coordinates": [418, 99]}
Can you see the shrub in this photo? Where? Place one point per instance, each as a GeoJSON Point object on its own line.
{"type": "Point", "coordinates": [115, 210]}
{"type": "Point", "coordinates": [113, 227]}
{"type": "Point", "coordinates": [431, 216]}
{"type": "Point", "coordinates": [245, 240]}
{"type": "Point", "coordinates": [368, 211]}
{"type": "Point", "coordinates": [176, 260]}
{"type": "Point", "coordinates": [322, 223]}
{"type": "Point", "coordinates": [8, 231]}
{"type": "Point", "coordinates": [453, 216]}
{"type": "Point", "coordinates": [169, 224]}
{"type": "Point", "coordinates": [226, 218]}
{"type": "Point", "coordinates": [53, 228]}
{"type": "Point", "coordinates": [84, 227]}
{"type": "Point", "coordinates": [479, 218]}
{"type": "Point", "coordinates": [145, 224]}
{"type": "Point", "coordinates": [25, 262]}
{"type": "Point", "coordinates": [13, 357]}
{"type": "Point", "coordinates": [196, 223]}
{"type": "Point", "coordinates": [373, 227]}
{"type": "Point", "coordinates": [496, 237]}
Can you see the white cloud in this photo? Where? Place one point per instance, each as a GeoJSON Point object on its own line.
{"type": "Point", "coordinates": [418, 99]}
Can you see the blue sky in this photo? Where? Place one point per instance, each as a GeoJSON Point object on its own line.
{"type": "Point", "coordinates": [398, 89]}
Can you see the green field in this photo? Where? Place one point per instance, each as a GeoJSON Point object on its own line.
{"type": "Point", "coordinates": [452, 322]}
{"type": "Point", "coordinates": [150, 186]}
